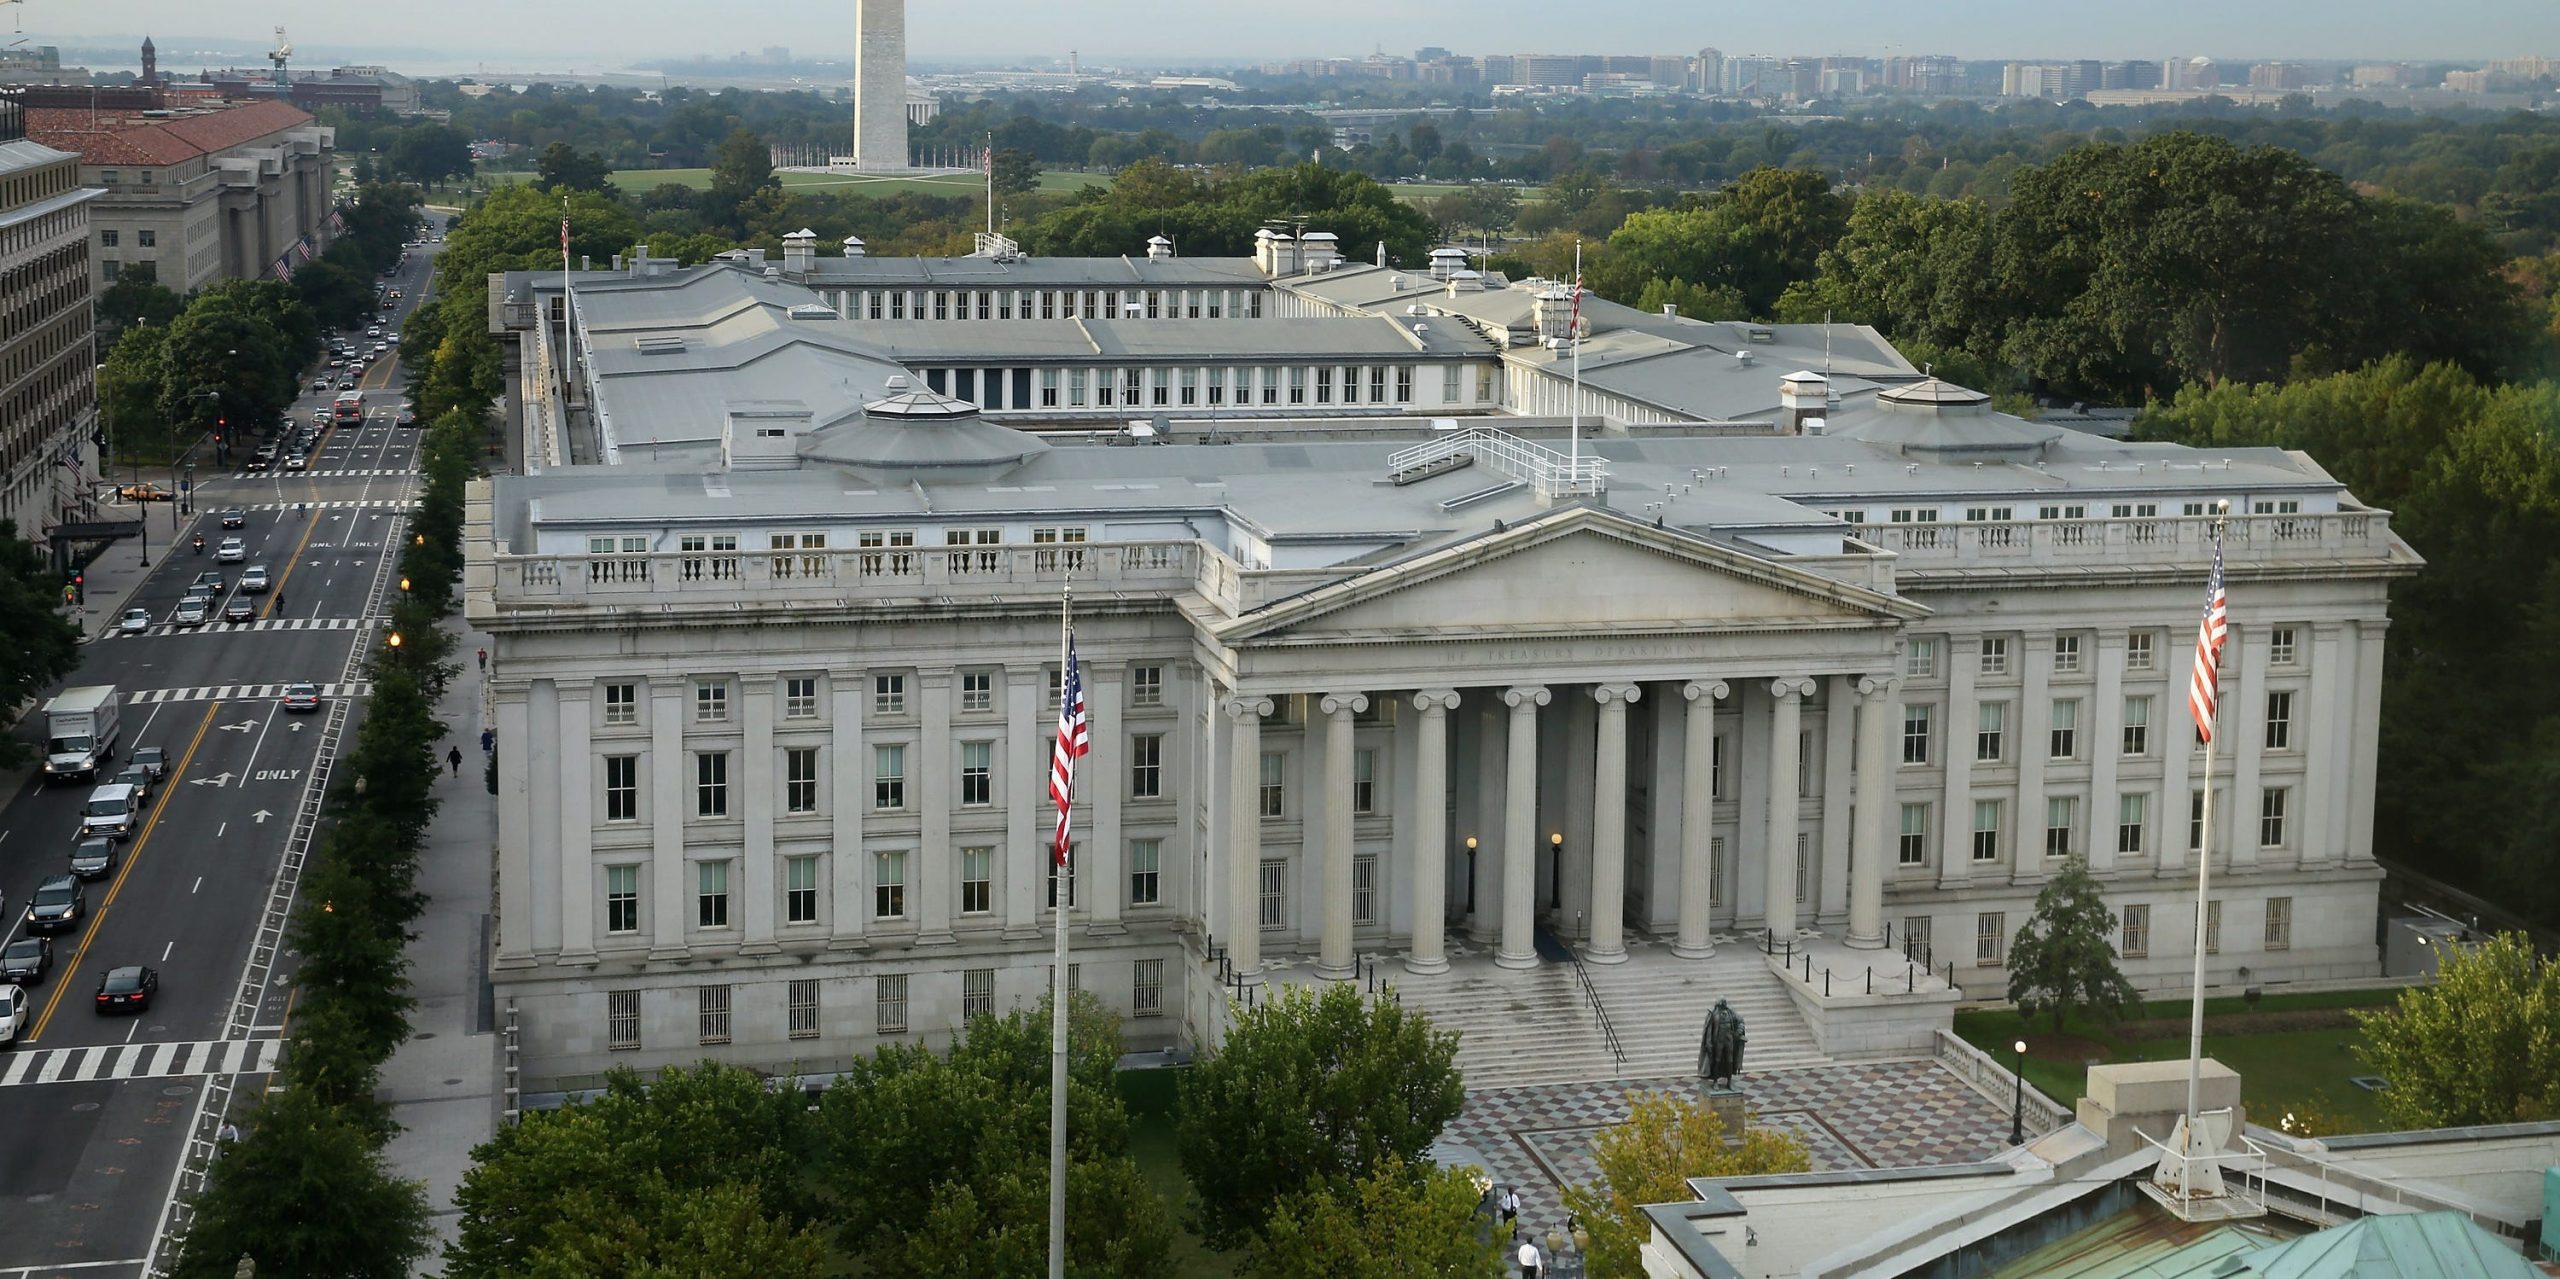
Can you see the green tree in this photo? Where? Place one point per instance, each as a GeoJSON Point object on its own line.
{"type": "Point", "coordinates": [565, 167]}
{"type": "Point", "coordinates": [742, 169]}
{"type": "Point", "coordinates": [1310, 1090]}
{"type": "Point", "coordinates": [1757, 237]}
{"type": "Point", "coordinates": [1015, 171]}
{"type": "Point", "coordinates": [1696, 301]}
{"type": "Point", "coordinates": [1649, 1159]}
{"type": "Point", "coordinates": [428, 153]}
{"type": "Point", "coordinates": [1916, 268]}
{"type": "Point", "coordinates": [137, 297]}
{"type": "Point", "coordinates": [2061, 962]}
{"type": "Point", "coordinates": [337, 288]}
{"type": "Point", "coordinates": [1395, 1223]}
{"type": "Point", "coordinates": [305, 1192]}
{"type": "Point", "coordinates": [643, 1230]}
{"type": "Point", "coordinates": [38, 644]}
{"type": "Point", "coordinates": [129, 387]}
{"type": "Point", "coordinates": [2480, 1046]}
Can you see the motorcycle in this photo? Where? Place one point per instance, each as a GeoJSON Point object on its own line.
{"type": "Point", "coordinates": [199, 543]}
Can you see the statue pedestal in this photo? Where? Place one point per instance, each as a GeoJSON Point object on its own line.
{"type": "Point", "coordinates": [1726, 1103]}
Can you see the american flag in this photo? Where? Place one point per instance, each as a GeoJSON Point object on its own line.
{"type": "Point", "coordinates": [564, 241]}
{"type": "Point", "coordinates": [1072, 742]}
{"type": "Point", "coordinates": [2210, 635]}
{"type": "Point", "coordinates": [1573, 329]}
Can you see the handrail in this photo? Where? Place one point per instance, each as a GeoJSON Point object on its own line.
{"type": "Point", "coordinates": [1599, 1011]}
{"type": "Point", "coordinates": [1554, 474]}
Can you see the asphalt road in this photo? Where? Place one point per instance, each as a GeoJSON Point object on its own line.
{"type": "Point", "coordinates": [87, 1160]}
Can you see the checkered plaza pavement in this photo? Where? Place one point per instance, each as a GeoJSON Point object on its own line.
{"type": "Point", "coordinates": [1886, 1114]}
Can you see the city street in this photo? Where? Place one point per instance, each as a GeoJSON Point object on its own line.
{"type": "Point", "coordinates": [96, 1112]}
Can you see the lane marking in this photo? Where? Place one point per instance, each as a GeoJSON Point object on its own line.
{"type": "Point", "coordinates": [98, 917]}
{"type": "Point", "coordinates": [164, 956]}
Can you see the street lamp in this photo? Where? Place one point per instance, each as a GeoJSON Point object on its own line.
{"type": "Point", "coordinates": [1555, 871]}
{"type": "Point", "coordinates": [1471, 874]}
{"type": "Point", "coordinates": [2018, 1103]}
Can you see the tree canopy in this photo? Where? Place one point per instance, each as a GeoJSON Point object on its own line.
{"type": "Point", "coordinates": [1649, 1160]}
{"type": "Point", "coordinates": [2480, 1046]}
{"type": "Point", "coordinates": [1218, 214]}
{"type": "Point", "coordinates": [2061, 962]}
{"type": "Point", "coordinates": [38, 644]}
{"type": "Point", "coordinates": [305, 1192]}
{"type": "Point", "coordinates": [1395, 1223]}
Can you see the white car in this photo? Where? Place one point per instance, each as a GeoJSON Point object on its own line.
{"type": "Point", "coordinates": [191, 611]}
{"type": "Point", "coordinates": [135, 621]}
{"type": "Point", "coordinates": [13, 1014]}
{"type": "Point", "coordinates": [232, 551]}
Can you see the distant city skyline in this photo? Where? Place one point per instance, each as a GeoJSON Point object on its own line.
{"type": "Point", "coordinates": [593, 34]}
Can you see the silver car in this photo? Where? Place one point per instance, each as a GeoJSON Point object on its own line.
{"type": "Point", "coordinates": [191, 611]}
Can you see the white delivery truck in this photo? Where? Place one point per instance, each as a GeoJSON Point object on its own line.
{"type": "Point", "coordinates": [80, 732]}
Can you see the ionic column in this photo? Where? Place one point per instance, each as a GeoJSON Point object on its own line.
{"type": "Point", "coordinates": [1430, 832]}
{"type": "Point", "coordinates": [1870, 851]}
{"type": "Point", "coordinates": [1520, 828]}
{"type": "Point", "coordinates": [1333, 950]}
{"type": "Point", "coordinates": [1244, 833]}
{"type": "Point", "coordinates": [1607, 943]}
{"type": "Point", "coordinates": [1698, 821]}
{"type": "Point", "coordinates": [1778, 892]}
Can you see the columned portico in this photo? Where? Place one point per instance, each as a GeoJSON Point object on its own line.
{"type": "Point", "coordinates": [1431, 831]}
{"type": "Point", "coordinates": [1244, 833]}
{"type": "Point", "coordinates": [1786, 718]}
{"type": "Point", "coordinates": [1520, 828]}
{"type": "Point", "coordinates": [1868, 854]}
{"type": "Point", "coordinates": [1607, 943]}
{"type": "Point", "coordinates": [1698, 821]}
{"type": "Point", "coordinates": [1334, 960]}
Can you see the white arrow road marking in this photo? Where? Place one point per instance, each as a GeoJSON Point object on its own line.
{"type": "Point", "coordinates": [241, 727]}
{"type": "Point", "coordinates": [222, 780]}
{"type": "Point", "coordinates": [262, 815]}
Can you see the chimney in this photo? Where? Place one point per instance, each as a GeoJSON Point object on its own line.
{"type": "Point", "coordinates": [1319, 251]}
{"type": "Point", "coordinates": [1446, 262]}
{"type": "Point", "coordinates": [1803, 394]}
{"type": "Point", "coordinates": [1159, 249]}
{"type": "Point", "coordinates": [800, 251]}
{"type": "Point", "coordinates": [1555, 315]}
{"type": "Point", "coordinates": [1670, 310]}
{"type": "Point", "coordinates": [1382, 253]}
{"type": "Point", "coordinates": [853, 246]}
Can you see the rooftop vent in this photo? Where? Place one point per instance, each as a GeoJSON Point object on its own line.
{"type": "Point", "coordinates": [1757, 334]}
{"type": "Point", "coordinates": [853, 246]}
{"type": "Point", "coordinates": [812, 311]}
{"type": "Point", "coordinates": [664, 343]}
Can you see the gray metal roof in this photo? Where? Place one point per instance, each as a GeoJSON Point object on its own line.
{"type": "Point", "coordinates": [1238, 341]}
{"type": "Point", "coordinates": [1033, 273]}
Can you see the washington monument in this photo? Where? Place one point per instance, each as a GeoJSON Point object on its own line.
{"type": "Point", "coordinates": [880, 85]}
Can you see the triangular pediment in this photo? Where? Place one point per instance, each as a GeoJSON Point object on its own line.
{"type": "Point", "coordinates": [1583, 571]}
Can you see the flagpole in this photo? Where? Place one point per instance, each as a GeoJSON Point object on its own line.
{"type": "Point", "coordinates": [2204, 890]}
{"type": "Point", "coordinates": [1058, 968]}
{"type": "Point", "coordinates": [1574, 335]}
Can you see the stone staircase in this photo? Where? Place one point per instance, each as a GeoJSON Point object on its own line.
{"type": "Point", "coordinates": [1532, 1026]}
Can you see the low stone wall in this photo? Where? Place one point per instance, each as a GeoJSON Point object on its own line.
{"type": "Point", "coordinates": [1850, 1024]}
{"type": "Point", "coordinates": [1998, 1082]}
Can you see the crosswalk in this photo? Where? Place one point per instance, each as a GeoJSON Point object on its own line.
{"type": "Point", "coordinates": [238, 692]}
{"type": "Point", "coordinates": [265, 624]}
{"type": "Point", "coordinates": [352, 504]}
{"type": "Point", "coordinates": [374, 474]}
{"type": "Point", "coordinates": [139, 1061]}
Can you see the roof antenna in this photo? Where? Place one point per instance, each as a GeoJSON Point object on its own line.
{"type": "Point", "coordinates": [1826, 344]}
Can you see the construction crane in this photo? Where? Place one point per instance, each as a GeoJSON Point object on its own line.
{"type": "Point", "coordinates": [282, 54]}
{"type": "Point", "coordinates": [17, 19]}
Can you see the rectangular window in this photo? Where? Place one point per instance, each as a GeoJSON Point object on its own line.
{"type": "Point", "coordinates": [1364, 890]}
{"type": "Point", "coordinates": [889, 885]}
{"type": "Point", "coordinates": [621, 703]}
{"type": "Point", "coordinates": [1156, 386]}
{"type": "Point", "coordinates": [2195, 821]}
{"type": "Point", "coordinates": [1270, 385]}
{"type": "Point", "coordinates": [1920, 659]}
{"type": "Point", "coordinates": [1324, 384]}
{"type": "Point", "coordinates": [2280, 647]}
{"type": "Point", "coordinates": [888, 694]}
{"type": "Point", "coordinates": [889, 1004]}
{"type": "Point", "coordinates": [800, 890]}
{"type": "Point", "coordinates": [1804, 864]}
{"type": "Point", "coordinates": [1075, 388]}
{"type": "Point", "coordinates": [1274, 792]}
{"type": "Point", "coordinates": [2137, 726]}
{"type": "Point", "coordinates": [1377, 384]}
{"type": "Point", "coordinates": [1991, 722]}
{"type": "Point", "coordinates": [1986, 830]}
{"type": "Point", "coordinates": [2271, 817]}
{"type": "Point", "coordinates": [2137, 651]}
{"type": "Point", "coordinates": [802, 995]}
{"type": "Point", "coordinates": [898, 305]}
{"type": "Point", "coordinates": [977, 773]}
{"type": "Point", "coordinates": [1915, 734]}
{"type": "Point", "coordinates": [1146, 860]}
{"type": "Point", "coordinates": [1990, 938]}
{"type": "Point", "coordinates": [2135, 941]}
{"type": "Point", "coordinates": [2279, 721]}
{"type": "Point", "coordinates": [2279, 923]}
{"type": "Point", "coordinates": [2065, 742]}
{"type": "Point", "coordinates": [2061, 817]}
{"type": "Point", "coordinates": [977, 691]}
{"type": "Point", "coordinates": [2132, 819]}
{"type": "Point", "coordinates": [1404, 384]}
{"type": "Point", "coordinates": [1715, 869]}
{"type": "Point", "coordinates": [710, 702]}
{"type": "Point", "coordinates": [711, 894]}
{"type": "Point", "coordinates": [2213, 927]}
{"type": "Point", "coordinates": [1274, 912]}
{"type": "Point", "coordinates": [711, 784]}
{"type": "Point", "coordinates": [1995, 657]}
{"type": "Point", "coordinates": [1913, 847]}
{"type": "Point", "coordinates": [711, 1006]}
{"type": "Point", "coordinates": [2066, 654]}
{"type": "Point", "coordinates": [888, 552]}
{"type": "Point", "coordinates": [977, 992]}
{"type": "Point", "coordinates": [622, 788]}
{"type": "Point", "coordinates": [1715, 768]}
{"type": "Point", "coordinates": [1071, 877]}
{"type": "Point", "coordinates": [1190, 386]}
{"type": "Point", "coordinates": [1449, 374]}
{"type": "Point", "coordinates": [1146, 686]}
{"type": "Point", "coordinates": [1297, 384]}
{"type": "Point", "coordinates": [1364, 782]}
{"type": "Point", "coordinates": [107, 238]}
{"type": "Point", "coordinates": [888, 777]}
{"type": "Point", "coordinates": [622, 899]}
{"type": "Point", "coordinates": [977, 888]}
{"type": "Point", "coordinates": [621, 1020]}
{"type": "Point", "coordinates": [1218, 386]}
{"type": "Point", "coordinates": [800, 779]}
{"type": "Point", "coordinates": [1146, 988]}
{"type": "Point", "coordinates": [1146, 766]}
{"type": "Point", "coordinates": [800, 697]}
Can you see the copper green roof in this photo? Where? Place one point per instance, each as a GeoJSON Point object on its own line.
{"type": "Point", "coordinates": [2422, 1245]}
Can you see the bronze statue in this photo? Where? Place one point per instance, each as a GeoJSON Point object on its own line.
{"type": "Point", "coordinates": [1720, 1046]}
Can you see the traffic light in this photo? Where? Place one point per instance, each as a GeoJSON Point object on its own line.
{"type": "Point", "coordinates": [78, 590]}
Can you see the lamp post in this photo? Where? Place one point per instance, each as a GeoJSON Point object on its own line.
{"type": "Point", "coordinates": [1471, 876]}
{"type": "Point", "coordinates": [1555, 870]}
{"type": "Point", "coordinates": [2018, 1102]}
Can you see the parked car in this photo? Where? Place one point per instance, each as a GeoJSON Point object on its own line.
{"type": "Point", "coordinates": [152, 758]}
{"type": "Point", "coordinates": [26, 959]}
{"type": "Point", "coordinates": [301, 697]}
{"type": "Point", "coordinates": [93, 857]}
{"type": "Point", "coordinates": [135, 622]}
{"type": "Point", "coordinates": [234, 517]}
{"type": "Point", "coordinates": [232, 551]}
{"type": "Point", "coordinates": [128, 989]}
{"type": "Point", "coordinates": [57, 906]}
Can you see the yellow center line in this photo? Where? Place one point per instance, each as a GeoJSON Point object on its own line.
{"type": "Point", "coordinates": [295, 561]}
{"type": "Point", "coordinates": [97, 918]}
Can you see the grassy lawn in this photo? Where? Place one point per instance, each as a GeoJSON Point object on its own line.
{"type": "Point", "coordinates": [638, 182]}
{"type": "Point", "coordinates": [1149, 1094]}
{"type": "Point", "coordinates": [2283, 1060]}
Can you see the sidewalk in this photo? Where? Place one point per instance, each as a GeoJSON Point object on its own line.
{"type": "Point", "coordinates": [117, 572]}
{"type": "Point", "coordinates": [442, 1084]}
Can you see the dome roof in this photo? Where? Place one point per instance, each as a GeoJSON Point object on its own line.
{"type": "Point", "coordinates": [1931, 395]}
{"type": "Point", "coordinates": [921, 433]}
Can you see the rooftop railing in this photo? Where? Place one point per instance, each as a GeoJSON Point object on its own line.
{"type": "Point", "coordinates": [854, 576]}
{"type": "Point", "coordinates": [1551, 473]}
{"type": "Point", "coordinates": [2247, 539]}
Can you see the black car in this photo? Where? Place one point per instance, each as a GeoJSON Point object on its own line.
{"type": "Point", "coordinates": [235, 518]}
{"type": "Point", "coordinates": [93, 858]}
{"type": "Point", "coordinates": [57, 905]}
{"type": "Point", "coordinates": [239, 610]}
{"type": "Point", "coordinates": [26, 960]}
{"type": "Point", "coordinates": [128, 989]}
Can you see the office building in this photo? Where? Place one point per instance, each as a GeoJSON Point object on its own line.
{"type": "Point", "coordinates": [231, 192]}
{"type": "Point", "coordinates": [48, 387]}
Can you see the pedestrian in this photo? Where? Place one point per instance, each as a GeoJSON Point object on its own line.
{"type": "Point", "coordinates": [227, 1134]}
{"type": "Point", "coordinates": [488, 740]}
{"type": "Point", "coordinates": [1529, 1259]}
{"type": "Point", "coordinates": [454, 757]}
{"type": "Point", "coordinates": [1510, 1207]}
{"type": "Point", "coordinates": [484, 661]}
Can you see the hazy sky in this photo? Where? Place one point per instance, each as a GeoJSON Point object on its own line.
{"type": "Point", "coordinates": [590, 33]}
